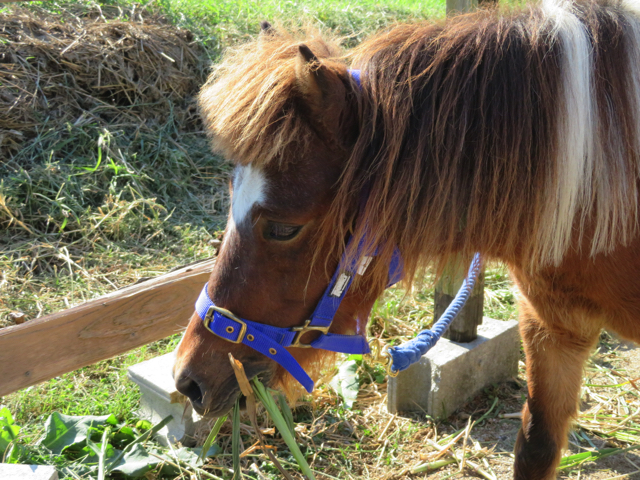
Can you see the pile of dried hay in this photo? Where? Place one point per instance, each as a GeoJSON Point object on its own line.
{"type": "Point", "coordinates": [89, 68]}
{"type": "Point", "coordinates": [104, 167]}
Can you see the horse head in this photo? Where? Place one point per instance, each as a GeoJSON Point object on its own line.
{"type": "Point", "coordinates": [286, 114]}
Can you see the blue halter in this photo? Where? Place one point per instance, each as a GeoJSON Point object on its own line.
{"type": "Point", "coordinates": [272, 341]}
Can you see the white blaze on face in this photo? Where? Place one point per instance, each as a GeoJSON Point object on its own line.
{"type": "Point", "coordinates": [249, 188]}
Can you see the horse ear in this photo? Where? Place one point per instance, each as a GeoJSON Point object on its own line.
{"type": "Point", "coordinates": [266, 28]}
{"type": "Point", "coordinates": [324, 96]}
{"type": "Point", "coordinates": [314, 79]}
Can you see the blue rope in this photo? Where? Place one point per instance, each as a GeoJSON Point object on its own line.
{"type": "Point", "coordinates": [405, 355]}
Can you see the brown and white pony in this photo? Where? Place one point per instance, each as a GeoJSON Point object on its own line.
{"type": "Point", "coordinates": [515, 134]}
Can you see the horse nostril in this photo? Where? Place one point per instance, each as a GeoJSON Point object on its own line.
{"type": "Point", "coordinates": [190, 389]}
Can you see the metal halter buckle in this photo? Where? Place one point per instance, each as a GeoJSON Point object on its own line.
{"type": "Point", "coordinates": [208, 318]}
{"type": "Point", "coordinates": [304, 329]}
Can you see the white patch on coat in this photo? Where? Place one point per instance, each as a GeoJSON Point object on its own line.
{"type": "Point", "coordinates": [249, 188]}
{"type": "Point", "coordinates": [570, 190]}
{"type": "Point", "coordinates": [631, 6]}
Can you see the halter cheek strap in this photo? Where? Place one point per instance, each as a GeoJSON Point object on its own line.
{"type": "Point", "coordinates": [272, 341]}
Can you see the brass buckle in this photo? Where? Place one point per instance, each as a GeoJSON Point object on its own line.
{"type": "Point", "coordinates": [304, 329]}
{"type": "Point", "coordinates": [208, 318]}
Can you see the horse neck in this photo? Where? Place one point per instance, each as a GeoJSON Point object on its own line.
{"type": "Point", "coordinates": [479, 134]}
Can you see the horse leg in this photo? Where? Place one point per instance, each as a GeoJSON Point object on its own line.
{"type": "Point", "coordinates": [555, 354]}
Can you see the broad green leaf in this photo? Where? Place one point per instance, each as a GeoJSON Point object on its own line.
{"type": "Point", "coordinates": [123, 436]}
{"type": "Point", "coordinates": [63, 431]}
{"type": "Point", "coordinates": [186, 456]}
{"type": "Point", "coordinates": [117, 460]}
{"type": "Point", "coordinates": [8, 430]}
{"type": "Point", "coordinates": [5, 416]}
{"type": "Point", "coordinates": [345, 383]}
{"type": "Point", "coordinates": [126, 431]}
{"type": "Point", "coordinates": [191, 457]}
{"type": "Point", "coordinates": [15, 454]}
{"type": "Point", "coordinates": [143, 425]}
{"type": "Point", "coordinates": [136, 462]}
{"type": "Point", "coordinates": [212, 452]}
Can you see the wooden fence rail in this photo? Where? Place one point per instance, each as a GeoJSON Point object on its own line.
{"type": "Point", "coordinates": [102, 328]}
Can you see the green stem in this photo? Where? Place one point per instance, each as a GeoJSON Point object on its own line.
{"type": "Point", "coordinates": [281, 425]}
{"type": "Point", "coordinates": [211, 437]}
{"type": "Point", "coordinates": [103, 453]}
{"type": "Point", "coordinates": [425, 467]}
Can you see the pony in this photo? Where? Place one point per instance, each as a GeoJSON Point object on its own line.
{"type": "Point", "coordinates": [513, 133]}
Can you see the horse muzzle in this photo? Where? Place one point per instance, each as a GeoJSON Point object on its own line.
{"type": "Point", "coordinates": [214, 397]}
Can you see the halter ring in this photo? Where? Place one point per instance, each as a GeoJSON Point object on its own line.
{"type": "Point", "coordinates": [380, 356]}
{"type": "Point", "coordinates": [302, 330]}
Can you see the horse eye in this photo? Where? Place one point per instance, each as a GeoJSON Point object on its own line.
{"type": "Point", "coordinates": [281, 231]}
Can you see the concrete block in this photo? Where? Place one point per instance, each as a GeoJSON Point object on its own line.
{"type": "Point", "coordinates": [452, 373]}
{"type": "Point", "coordinates": [160, 398]}
{"type": "Point", "coordinates": [10, 471]}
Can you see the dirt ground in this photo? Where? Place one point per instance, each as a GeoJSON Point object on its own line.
{"type": "Point", "coordinates": [613, 355]}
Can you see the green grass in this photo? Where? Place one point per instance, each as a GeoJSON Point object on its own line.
{"type": "Point", "coordinates": [231, 20]}
{"type": "Point", "coordinates": [221, 23]}
{"type": "Point", "coordinates": [98, 389]}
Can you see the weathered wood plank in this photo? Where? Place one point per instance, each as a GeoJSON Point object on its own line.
{"type": "Point", "coordinates": [102, 328]}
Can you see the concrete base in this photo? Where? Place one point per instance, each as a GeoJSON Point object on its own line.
{"type": "Point", "coordinates": [10, 471]}
{"type": "Point", "coordinates": [160, 398]}
{"type": "Point", "coordinates": [452, 373]}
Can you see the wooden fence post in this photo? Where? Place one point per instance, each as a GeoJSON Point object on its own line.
{"type": "Point", "coordinates": [465, 327]}
{"type": "Point", "coordinates": [455, 7]}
